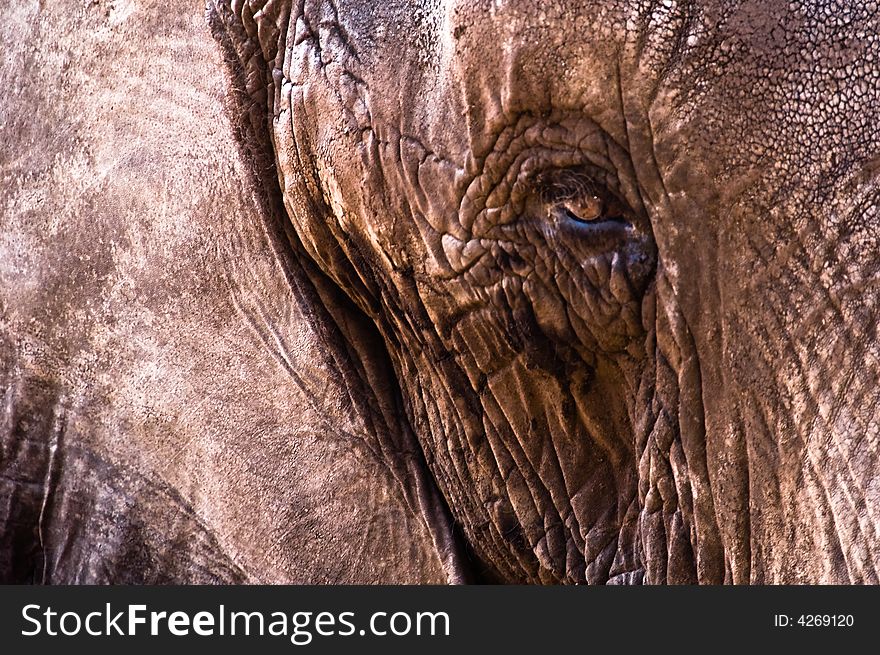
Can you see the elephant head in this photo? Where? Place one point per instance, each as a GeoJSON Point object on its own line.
{"type": "Point", "coordinates": [622, 257]}
{"type": "Point", "coordinates": [492, 290]}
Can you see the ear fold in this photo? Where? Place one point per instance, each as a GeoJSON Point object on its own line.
{"type": "Point", "coordinates": [250, 34]}
{"type": "Point", "coordinates": [356, 364]}
{"type": "Point", "coordinates": [253, 30]}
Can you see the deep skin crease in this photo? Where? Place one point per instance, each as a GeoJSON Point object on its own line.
{"type": "Point", "coordinates": [678, 391]}
{"type": "Point", "coordinates": [324, 291]}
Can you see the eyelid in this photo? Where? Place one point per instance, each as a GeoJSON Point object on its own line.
{"type": "Point", "coordinates": [580, 182]}
{"type": "Point", "coordinates": [587, 208]}
{"type": "Point", "coordinates": [581, 195]}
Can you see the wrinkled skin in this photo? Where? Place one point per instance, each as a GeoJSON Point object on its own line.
{"type": "Point", "coordinates": [501, 291]}
{"type": "Point", "coordinates": [178, 404]}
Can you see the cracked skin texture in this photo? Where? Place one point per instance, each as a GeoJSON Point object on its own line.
{"type": "Point", "coordinates": [542, 292]}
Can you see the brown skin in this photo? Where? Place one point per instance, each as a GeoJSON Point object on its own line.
{"type": "Point", "coordinates": [597, 277]}
{"type": "Point", "coordinates": [682, 395]}
{"type": "Point", "coordinates": [153, 429]}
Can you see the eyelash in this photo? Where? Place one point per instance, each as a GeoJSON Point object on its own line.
{"type": "Point", "coordinates": [576, 196]}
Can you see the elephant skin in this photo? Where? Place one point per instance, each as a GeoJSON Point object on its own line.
{"type": "Point", "coordinates": [487, 290]}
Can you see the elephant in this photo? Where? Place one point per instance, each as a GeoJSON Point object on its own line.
{"type": "Point", "coordinates": [460, 291]}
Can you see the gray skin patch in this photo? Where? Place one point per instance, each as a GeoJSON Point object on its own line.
{"type": "Point", "coordinates": [183, 399]}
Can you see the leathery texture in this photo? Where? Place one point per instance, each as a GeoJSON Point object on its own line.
{"type": "Point", "coordinates": [559, 399]}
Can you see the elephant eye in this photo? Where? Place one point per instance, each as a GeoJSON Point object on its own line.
{"type": "Point", "coordinates": [588, 208]}
{"type": "Point", "coordinates": [573, 198]}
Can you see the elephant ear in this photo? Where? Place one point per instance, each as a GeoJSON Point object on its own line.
{"type": "Point", "coordinates": [355, 359]}
{"type": "Point", "coordinates": [187, 398]}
